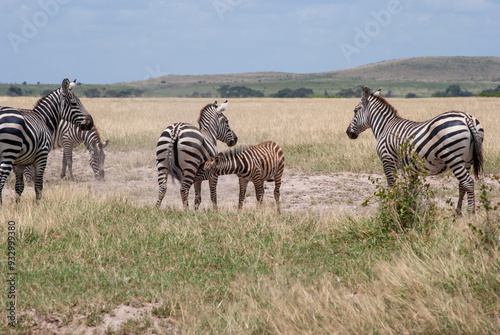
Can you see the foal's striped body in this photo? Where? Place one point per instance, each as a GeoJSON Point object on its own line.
{"type": "Point", "coordinates": [258, 163]}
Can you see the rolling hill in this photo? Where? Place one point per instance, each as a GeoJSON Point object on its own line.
{"type": "Point", "coordinates": [424, 69]}
{"type": "Point", "coordinates": [420, 76]}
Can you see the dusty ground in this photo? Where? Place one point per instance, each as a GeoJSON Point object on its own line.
{"type": "Point", "coordinates": [342, 192]}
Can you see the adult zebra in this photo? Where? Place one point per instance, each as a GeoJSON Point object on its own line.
{"type": "Point", "coordinates": [257, 163]}
{"type": "Point", "coordinates": [449, 141]}
{"type": "Point", "coordinates": [183, 148]}
{"type": "Point", "coordinates": [68, 136]}
{"type": "Point", "coordinates": [26, 137]}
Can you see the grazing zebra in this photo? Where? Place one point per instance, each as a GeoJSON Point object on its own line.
{"type": "Point", "coordinates": [452, 140]}
{"type": "Point", "coordinates": [26, 137]}
{"type": "Point", "coordinates": [258, 163]}
{"type": "Point", "coordinates": [68, 137]}
{"type": "Point", "coordinates": [183, 148]}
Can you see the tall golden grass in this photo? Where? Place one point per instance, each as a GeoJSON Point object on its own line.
{"type": "Point", "coordinates": [317, 125]}
{"type": "Point", "coordinates": [81, 254]}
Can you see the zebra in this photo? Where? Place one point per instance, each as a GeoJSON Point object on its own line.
{"type": "Point", "coordinates": [68, 137]}
{"type": "Point", "coordinates": [258, 163]}
{"type": "Point", "coordinates": [182, 148]}
{"type": "Point", "coordinates": [26, 137]}
{"type": "Point", "coordinates": [450, 141]}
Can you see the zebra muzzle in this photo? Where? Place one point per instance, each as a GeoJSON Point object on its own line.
{"type": "Point", "coordinates": [87, 123]}
{"type": "Point", "coordinates": [233, 142]}
{"type": "Point", "coordinates": [100, 175]}
{"type": "Point", "coordinates": [352, 135]}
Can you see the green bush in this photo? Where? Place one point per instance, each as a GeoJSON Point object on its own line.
{"type": "Point", "coordinates": [409, 204]}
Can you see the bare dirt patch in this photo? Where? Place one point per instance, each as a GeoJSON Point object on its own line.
{"type": "Point", "coordinates": [339, 193]}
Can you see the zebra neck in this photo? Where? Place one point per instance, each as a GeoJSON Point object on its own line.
{"type": "Point", "coordinates": [207, 128]}
{"type": "Point", "coordinates": [88, 138]}
{"type": "Point", "coordinates": [47, 110]}
{"type": "Point", "coordinates": [380, 115]}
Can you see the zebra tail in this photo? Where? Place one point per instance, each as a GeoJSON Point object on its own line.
{"type": "Point", "coordinates": [477, 150]}
{"type": "Point", "coordinates": [173, 170]}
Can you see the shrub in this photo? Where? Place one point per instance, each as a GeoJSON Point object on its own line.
{"type": "Point", "coordinates": [486, 231]}
{"type": "Point", "coordinates": [409, 204]}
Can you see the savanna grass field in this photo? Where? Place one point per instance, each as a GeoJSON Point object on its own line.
{"type": "Point", "coordinates": [98, 258]}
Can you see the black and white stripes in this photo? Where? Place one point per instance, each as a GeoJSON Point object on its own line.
{"type": "Point", "coordinates": [26, 137]}
{"type": "Point", "coordinates": [183, 148]}
{"type": "Point", "coordinates": [450, 141]}
{"type": "Point", "coordinates": [258, 163]}
{"type": "Point", "coordinates": [68, 136]}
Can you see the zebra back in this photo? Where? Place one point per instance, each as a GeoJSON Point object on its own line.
{"type": "Point", "coordinates": [449, 141]}
{"type": "Point", "coordinates": [263, 160]}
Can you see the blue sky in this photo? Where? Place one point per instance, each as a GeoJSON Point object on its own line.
{"type": "Point", "coordinates": [109, 41]}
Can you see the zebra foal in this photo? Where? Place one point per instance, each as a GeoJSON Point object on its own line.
{"type": "Point", "coordinates": [26, 136]}
{"type": "Point", "coordinates": [183, 148]}
{"type": "Point", "coordinates": [68, 137]}
{"type": "Point", "coordinates": [449, 141]}
{"type": "Point", "coordinates": [258, 163]}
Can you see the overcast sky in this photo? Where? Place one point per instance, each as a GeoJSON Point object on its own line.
{"type": "Point", "coordinates": [109, 41]}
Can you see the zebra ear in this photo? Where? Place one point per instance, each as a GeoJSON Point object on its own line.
{"type": "Point", "coordinates": [65, 86]}
{"type": "Point", "coordinates": [222, 107]}
{"type": "Point", "coordinates": [72, 84]}
{"type": "Point", "coordinates": [365, 93]}
{"type": "Point", "coordinates": [377, 92]}
{"type": "Point", "coordinates": [105, 144]}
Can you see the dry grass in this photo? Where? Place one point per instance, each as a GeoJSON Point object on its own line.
{"type": "Point", "coordinates": [81, 253]}
{"type": "Point", "coordinates": [311, 131]}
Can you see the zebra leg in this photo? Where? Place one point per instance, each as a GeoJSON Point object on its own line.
{"type": "Point", "coordinates": [197, 195]}
{"type": "Point", "coordinates": [277, 185]}
{"type": "Point", "coordinates": [186, 185]}
{"type": "Point", "coordinates": [243, 191]}
{"type": "Point", "coordinates": [259, 190]}
{"type": "Point", "coordinates": [465, 185]}
{"type": "Point", "coordinates": [212, 182]}
{"type": "Point", "coordinates": [461, 194]}
{"type": "Point", "coordinates": [162, 182]}
{"type": "Point", "coordinates": [19, 171]}
{"type": "Point", "coordinates": [64, 164]}
{"type": "Point", "coordinates": [68, 152]}
{"type": "Point", "coordinates": [5, 169]}
{"type": "Point", "coordinates": [389, 169]}
{"type": "Point", "coordinates": [39, 171]}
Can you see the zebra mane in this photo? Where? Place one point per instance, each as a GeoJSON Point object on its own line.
{"type": "Point", "coordinates": [41, 99]}
{"type": "Point", "coordinates": [231, 153]}
{"type": "Point", "coordinates": [203, 110]}
{"type": "Point", "coordinates": [97, 133]}
{"type": "Point", "coordinates": [382, 100]}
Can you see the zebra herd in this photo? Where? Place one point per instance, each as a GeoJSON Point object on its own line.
{"type": "Point", "coordinates": [449, 141]}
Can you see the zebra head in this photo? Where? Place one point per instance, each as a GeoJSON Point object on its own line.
{"type": "Point", "coordinates": [224, 132]}
{"type": "Point", "coordinates": [97, 157]}
{"type": "Point", "coordinates": [361, 120]}
{"type": "Point", "coordinates": [72, 109]}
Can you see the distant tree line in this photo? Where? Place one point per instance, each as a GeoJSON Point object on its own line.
{"type": "Point", "coordinates": [226, 91]}
{"type": "Point", "coordinates": [452, 91]}
{"type": "Point", "coordinates": [495, 92]}
{"type": "Point", "coordinates": [289, 93]}
{"type": "Point", "coordinates": [130, 92]}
